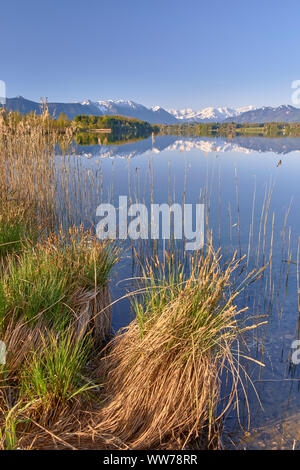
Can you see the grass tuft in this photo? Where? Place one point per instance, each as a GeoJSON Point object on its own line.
{"type": "Point", "coordinates": [45, 280]}
{"type": "Point", "coordinates": [164, 370]}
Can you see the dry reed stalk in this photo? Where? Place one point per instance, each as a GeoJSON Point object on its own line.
{"type": "Point", "coordinates": [20, 339]}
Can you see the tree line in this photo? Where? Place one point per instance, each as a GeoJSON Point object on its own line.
{"type": "Point", "coordinates": [232, 129]}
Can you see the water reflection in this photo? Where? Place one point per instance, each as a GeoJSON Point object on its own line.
{"type": "Point", "coordinates": [283, 145]}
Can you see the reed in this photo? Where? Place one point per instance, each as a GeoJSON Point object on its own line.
{"type": "Point", "coordinates": [163, 373]}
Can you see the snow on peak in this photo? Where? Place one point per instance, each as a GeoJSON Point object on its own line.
{"type": "Point", "coordinates": [244, 109]}
{"type": "Point", "coordinates": [122, 103]}
{"type": "Point", "coordinates": [87, 102]}
{"type": "Point", "coordinates": [209, 113]}
{"type": "Point", "coordinates": [109, 104]}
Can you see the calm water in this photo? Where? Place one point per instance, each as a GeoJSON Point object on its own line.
{"type": "Point", "coordinates": [237, 176]}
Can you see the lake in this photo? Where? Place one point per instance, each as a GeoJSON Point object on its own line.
{"type": "Point", "coordinates": [250, 188]}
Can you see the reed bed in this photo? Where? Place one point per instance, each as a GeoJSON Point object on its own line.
{"type": "Point", "coordinates": [28, 147]}
{"type": "Point", "coordinates": [55, 309]}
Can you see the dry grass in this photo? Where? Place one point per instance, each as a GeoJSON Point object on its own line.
{"type": "Point", "coordinates": [18, 224]}
{"type": "Point", "coordinates": [27, 161]}
{"type": "Point", "coordinates": [163, 372]}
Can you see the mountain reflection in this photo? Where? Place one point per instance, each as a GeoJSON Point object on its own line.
{"type": "Point", "coordinates": [281, 145]}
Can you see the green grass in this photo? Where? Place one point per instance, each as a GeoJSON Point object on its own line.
{"type": "Point", "coordinates": [49, 386]}
{"type": "Point", "coordinates": [42, 281]}
{"type": "Point", "coordinates": [159, 284]}
{"type": "Point", "coordinates": [55, 373]}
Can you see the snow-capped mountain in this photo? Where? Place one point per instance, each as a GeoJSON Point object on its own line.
{"type": "Point", "coordinates": [209, 114]}
{"type": "Point", "coordinates": [155, 115]}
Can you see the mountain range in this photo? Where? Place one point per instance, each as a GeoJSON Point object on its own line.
{"type": "Point", "coordinates": [283, 113]}
{"type": "Point", "coordinates": [159, 115]}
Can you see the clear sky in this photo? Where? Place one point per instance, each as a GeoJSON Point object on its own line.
{"type": "Point", "coordinates": [175, 53]}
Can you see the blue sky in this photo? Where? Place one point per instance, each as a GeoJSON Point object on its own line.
{"type": "Point", "coordinates": [187, 53]}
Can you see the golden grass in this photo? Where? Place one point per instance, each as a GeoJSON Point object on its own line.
{"type": "Point", "coordinates": [163, 379]}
